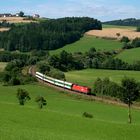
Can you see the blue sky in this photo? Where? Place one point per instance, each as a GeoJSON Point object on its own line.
{"type": "Point", "coordinates": [100, 9]}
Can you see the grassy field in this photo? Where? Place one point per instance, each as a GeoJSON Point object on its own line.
{"type": "Point", "coordinates": [87, 42]}
{"type": "Point", "coordinates": [88, 76]}
{"type": "Point", "coordinates": [130, 55]}
{"type": "Point", "coordinates": [2, 66]}
{"type": "Point", "coordinates": [62, 118]}
{"type": "Point", "coordinates": [116, 26]}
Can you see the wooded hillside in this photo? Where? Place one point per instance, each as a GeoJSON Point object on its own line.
{"type": "Point", "coordinates": [47, 35]}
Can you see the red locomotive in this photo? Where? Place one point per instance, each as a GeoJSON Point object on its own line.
{"type": "Point", "coordinates": [81, 89]}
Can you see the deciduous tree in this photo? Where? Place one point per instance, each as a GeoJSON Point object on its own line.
{"type": "Point", "coordinates": [130, 93]}
{"type": "Point", "coordinates": [22, 96]}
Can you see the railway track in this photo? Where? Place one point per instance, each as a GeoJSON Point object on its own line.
{"type": "Point", "coordinates": [83, 96]}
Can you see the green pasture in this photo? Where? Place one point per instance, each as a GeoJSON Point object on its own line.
{"type": "Point", "coordinates": [87, 42]}
{"type": "Point", "coordinates": [117, 26]}
{"type": "Point", "coordinates": [2, 66]}
{"type": "Point", "coordinates": [130, 55]}
{"type": "Point", "coordinates": [62, 118]}
{"type": "Point", "coordinates": [88, 76]}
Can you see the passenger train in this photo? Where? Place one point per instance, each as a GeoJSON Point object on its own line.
{"type": "Point", "coordinates": [63, 84]}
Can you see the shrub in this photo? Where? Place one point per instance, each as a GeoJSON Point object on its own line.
{"type": "Point", "coordinates": [55, 73]}
{"type": "Point", "coordinates": [41, 101]}
{"type": "Point", "coordinates": [107, 88]}
{"type": "Point", "coordinates": [44, 67]}
{"type": "Point", "coordinates": [118, 34]}
{"type": "Point", "coordinates": [136, 42]}
{"type": "Point", "coordinates": [87, 115]}
{"type": "Point", "coordinates": [138, 29]}
{"type": "Point", "coordinates": [125, 39]}
{"type": "Point", "coordinates": [127, 46]}
{"type": "Point", "coordinates": [15, 81]}
{"type": "Point", "coordinates": [22, 96]}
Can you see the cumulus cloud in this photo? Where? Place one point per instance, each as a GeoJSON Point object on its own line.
{"type": "Point", "coordinates": [101, 9]}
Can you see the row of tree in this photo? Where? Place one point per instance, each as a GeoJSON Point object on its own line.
{"type": "Point", "coordinates": [55, 64]}
{"type": "Point", "coordinates": [92, 59]}
{"type": "Point", "coordinates": [124, 22]}
{"type": "Point", "coordinates": [47, 35]}
{"type": "Point", "coordinates": [135, 43]}
{"type": "Point", "coordinates": [128, 91]}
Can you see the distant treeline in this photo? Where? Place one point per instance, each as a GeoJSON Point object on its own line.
{"type": "Point", "coordinates": [47, 35]}
{"type": "Point", "coordinates": [125, 22]}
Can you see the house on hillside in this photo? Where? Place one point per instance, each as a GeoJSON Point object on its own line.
{"type": "Point", "coordinates": [36, 16]}
{"type": "Point", "coordinates": [6, 15]}
{"type": "Point", "coordinates": [17, 15]}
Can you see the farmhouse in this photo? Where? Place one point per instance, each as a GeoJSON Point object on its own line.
{"type": "Point", "coordinates": [36, 16]}
{"type": "Point", "coordinates": [17, 15]}
{"type": "Point", "coordinates": [6, 15]}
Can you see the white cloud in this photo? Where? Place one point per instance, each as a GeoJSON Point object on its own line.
{"type": "Point", "coordinates": [100, 9]}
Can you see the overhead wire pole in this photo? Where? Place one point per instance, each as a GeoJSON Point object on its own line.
{"type": "Point", "coordinates": [64, 84]}
{"type": "Point", "coordinates": [102, 90]}
{"type": "Point", "coordinates": [43, 78]}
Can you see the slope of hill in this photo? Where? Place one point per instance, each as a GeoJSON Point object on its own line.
{"type": "Point", "coordinates": [62, 118]}
{"type": "Point", "coordinates": [87, 42]}
{"type": "Point", "coordinates": [130, 55]}
{"type": "Point", "coordinates": [124, 22]}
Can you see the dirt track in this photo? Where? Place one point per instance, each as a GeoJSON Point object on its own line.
{"type": "Point", "coordinates": [111, 33]}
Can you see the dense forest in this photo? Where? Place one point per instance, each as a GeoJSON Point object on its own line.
{"type": "Point", "coordinates": [47, 35]}
{"type": "Point", "coordinates": [125, 22]}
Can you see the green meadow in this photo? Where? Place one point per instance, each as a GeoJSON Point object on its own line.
{"type": "Point", "coordinates": [62, 118]}
{"type": "Point", "coordinates": [117, 26]}
{"type": "Point", "coordinates": [87, 42]}
{"type": "Point", "coordinates": [130, 55]}
{"type": "Point", "coordinates": [88, 76]}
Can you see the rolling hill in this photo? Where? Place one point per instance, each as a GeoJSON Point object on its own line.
{"type": "Point", "coordinates": [62, 118]}
{"type": "Point", "coordinates": [87, 42]}
{"type": "Point", "coordinates": [130, 56]}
